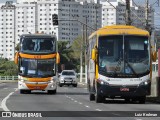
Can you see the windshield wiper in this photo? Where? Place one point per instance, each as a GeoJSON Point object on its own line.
{"type": "Point", "coordinates": [116, 68]}
{"type": "Point", "coordinates": [131, 68]}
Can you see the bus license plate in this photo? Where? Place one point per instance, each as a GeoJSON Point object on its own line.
{"type": "Point", "coordinates": [124, 89]}
{"type": "Point", "coordinates": [37, 87]}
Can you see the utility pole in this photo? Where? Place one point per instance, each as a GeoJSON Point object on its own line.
{"type": "Point", "coordinates": [147, 15]}
{"type": "Point", "coordinates": [85, 52]}
{"type": "Point", "coordinates": [128, 13]}
{"type": "Point", "coordinates": [81, 57]}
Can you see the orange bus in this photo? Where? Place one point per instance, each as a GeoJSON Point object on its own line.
{"type": "Point", "coordinates": [37, 61]}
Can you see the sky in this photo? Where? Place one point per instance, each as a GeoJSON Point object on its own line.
{"type": "Point", "coordinates": [138, 2]}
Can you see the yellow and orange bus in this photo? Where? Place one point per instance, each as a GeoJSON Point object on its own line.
{"type": "Point", "coordinates": [119, 63]}
{"type": "Point", "coordinates": [37, 61]}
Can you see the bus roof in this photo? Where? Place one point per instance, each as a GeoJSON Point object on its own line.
{"type": "Point", "coordinates": [38, 35]}
{"type": "Point", "coordinates": [119, 30]}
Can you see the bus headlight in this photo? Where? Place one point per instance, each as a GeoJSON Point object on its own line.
{"type": "Point", "coordinates": [102, 82]}
{"type": "Point", "coordinates": [145, 82]}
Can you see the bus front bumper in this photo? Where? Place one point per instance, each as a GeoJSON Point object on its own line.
{"type": "Point", "coordinates": [37, 85]}
{"type": "Point", "coordinates": [123, 91]}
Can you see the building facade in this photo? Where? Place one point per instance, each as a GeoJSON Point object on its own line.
{"type": "Point", "coordinates": [31, 16]}
{"type": "Point", "coordinates": [7, 30]}
{"type": "Point", "coordinates": [115, 13]}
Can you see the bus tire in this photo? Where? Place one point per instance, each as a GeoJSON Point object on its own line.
{"type": "Point", "coordinates": [142, 100]}
{"type": "Point", "coordinates": [91, 97]}
{"type": "Point", "coordinates": [52, 91]}
{"type": "Point", "coordinates": [22, 91]}
{"type": "Point", "coordinates": [98, 98]}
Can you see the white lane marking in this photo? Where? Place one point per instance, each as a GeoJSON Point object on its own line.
{"type": "Point", "coordinates": [116, 114]}
{"type": "Point", "coordinates": [75, 101]}
{"type": "Point", "coordinates": [87, 106]}
{"type": "Point", "coordinates": [98, 110]}
{"type": "Point", "coordinates": [84, 88]}
{"type": "Point", "coordinates": [2, 83]}
{"type": "Point", "coordinates": [16, 89]}
{"type": "Point", "coordinates": [80, 103]}
{"type": "Point", "coordinates": [3, 103]}
{"type": "Point", "coordinates": [5, 88]}
{"type": "Point", "coordinates": [72, 99]}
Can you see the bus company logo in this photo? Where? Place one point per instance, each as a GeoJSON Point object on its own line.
{"type": "Point", "coordinates": [6, 114]}
{"type": "Point", "coordinates": [37, 57]}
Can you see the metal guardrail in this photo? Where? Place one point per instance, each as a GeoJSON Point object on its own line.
{"type": "Point", "coordinates": [8, 78]}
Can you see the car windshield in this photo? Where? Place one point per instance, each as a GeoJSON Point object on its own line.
{"type": "Point", "coordinates": [37, 68]}
{"type": "Point", "coordinates": [124, 55]}
{"type": "Point", "coordinates": [68, 73]}
{"type": "Point", "coordinates": [37, 45]}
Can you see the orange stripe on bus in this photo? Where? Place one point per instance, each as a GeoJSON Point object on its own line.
{"type": "Point", "coordinates": [37, 56]}
{"type": "Point", "coordinates": [36, 87]}
{"type": "Point", "coordinates": [38, 79]}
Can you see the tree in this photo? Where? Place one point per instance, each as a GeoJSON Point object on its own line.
{"type": "Point", "coordinates": [66, 56]}
{"type": "Point", "coordinates": [8, 68]}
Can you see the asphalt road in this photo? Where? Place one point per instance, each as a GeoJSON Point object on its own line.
{"type": "Point", "coordinates": [70, 99]}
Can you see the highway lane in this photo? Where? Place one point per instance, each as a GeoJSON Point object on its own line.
{"type": "Point", "coordinates": [69, 99]}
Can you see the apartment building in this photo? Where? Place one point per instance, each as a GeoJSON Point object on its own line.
{"type": "Point", "coordinates": [7, 30]}
{"type": "Point", "coordinates": [117, 14]}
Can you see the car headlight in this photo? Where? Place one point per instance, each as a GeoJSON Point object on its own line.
{"type": "Point", "coordinates": [145, 82]}
{"type": "Point", "coordinates": [102, 82]}
{"type": "Point", "coordinates": [62, 78]}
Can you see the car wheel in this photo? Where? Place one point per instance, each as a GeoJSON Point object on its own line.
{"type": "Point", "coordinates": [60, 85]}
{"type": "Point", "coordinates": [74, 85]}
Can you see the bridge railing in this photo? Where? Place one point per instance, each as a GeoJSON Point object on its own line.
{"type": "Point", "coordinates": [8, 77]}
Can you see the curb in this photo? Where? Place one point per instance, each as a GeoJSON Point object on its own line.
{"type": "Point", "coordinates": [153, 99]}
{"type": "Point", "coordinates": [8, 81]}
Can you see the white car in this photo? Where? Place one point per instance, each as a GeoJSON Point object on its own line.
{"type": "Point", "coordinates": [68, 77]}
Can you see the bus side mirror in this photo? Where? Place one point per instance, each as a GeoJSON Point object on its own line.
{"type": "Point", "coordinates": [16, 58]}
{"type": "Point", "coordinates": [154, 56]}
{"type": "Point", "coordinates": [57, 58]}
{"type": "Point", "coordinates": [94, 54]}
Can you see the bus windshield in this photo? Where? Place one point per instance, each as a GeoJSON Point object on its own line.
{"type": "Point", "coordinates": [37, 45]}
{"type": "Point", "coordinates": [124, 55]}
{"type": "Point", "coordinates": [37, 68]}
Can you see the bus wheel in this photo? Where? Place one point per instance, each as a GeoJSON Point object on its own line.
{"type": "Point", "coordinates": [52, 91]}
{"type": "Point", "coordinates": [98, 98]}
{"type": "Point", "coordinates": [22, 91]}
{"type": "Point", "coordinates": [91, 97]}
{"type": "Point", "coordinates": [142, 100]}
